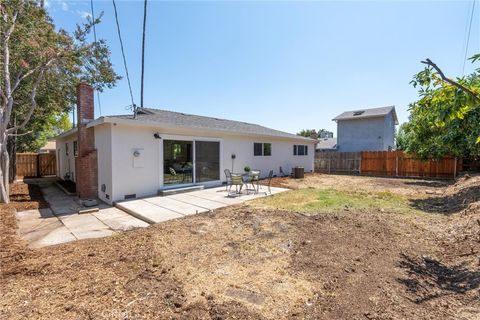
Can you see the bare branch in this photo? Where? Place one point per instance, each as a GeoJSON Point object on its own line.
{"type": "Point", "coordinates": [450, 81]}
{"type": "Point", "coordinates": [21, 77]}
{"type": "Point", "coordinates": [33, 104]}
{"type": "Point", "coordinates": [19, 134]}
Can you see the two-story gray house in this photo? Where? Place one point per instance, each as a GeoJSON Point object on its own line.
{"type": "Point", "coordinates": [366, 129]}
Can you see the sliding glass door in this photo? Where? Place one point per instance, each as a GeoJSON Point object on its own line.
{"type": "Point", "coordinates": [188, 162]}
{"type": "Point", "coordinates": [177, 162]}
{"type": "Point", "coordinates": [207, 161]}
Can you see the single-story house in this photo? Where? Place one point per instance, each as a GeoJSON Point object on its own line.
{"type": "Point", "coordinates": [327, 144]}
{"type": "Point", "coordinates": [122, 156]}
{"type": "Point", "coordinates": [49, 147]}
{"type": "Point", "coordinates": [366, 129]}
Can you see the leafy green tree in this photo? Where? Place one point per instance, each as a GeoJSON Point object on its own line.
{"type": "Point", "coordinates": [42, 129]}
{"type": "Point", "coordinates": [322, 133]}
{"type": "Point", "coordinates": [307, 133]}
{"type": "Point", "coordinates": [40, 70]}
{"type": "Point", "coordinates": [445, 120]}
{"type": "Point", "coordinates": [401, 138]}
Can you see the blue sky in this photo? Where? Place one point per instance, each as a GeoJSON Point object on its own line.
{"type": "Point", "coordinates": [285, 65]}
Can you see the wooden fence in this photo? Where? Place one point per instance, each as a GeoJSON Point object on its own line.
{"type": "Point", "coordinates": [338, 162]}
{"type": "Point", "coordinates": [386, 164]}
{"type": "Point", "coordinates": [36, 164]}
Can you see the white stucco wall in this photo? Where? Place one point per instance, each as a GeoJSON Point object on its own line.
{"type": "Point", "coordinates": [103, 144]}
{"type": "Point", "coordinates": [66, 164]}
{"type": "Point", "coordinates": [123, 174]}
{"type": "Point", "coordinates": [145, 177]}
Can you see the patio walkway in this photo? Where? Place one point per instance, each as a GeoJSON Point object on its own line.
{"type": "Point", "coordinates": [61, 222]}
{"type": "Point", "coordinates": [163, 208]}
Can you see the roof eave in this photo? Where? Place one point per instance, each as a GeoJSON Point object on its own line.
{"type": "Point", "coordinates": [169, 126]}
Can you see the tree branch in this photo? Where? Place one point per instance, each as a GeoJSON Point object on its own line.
{"type": "Point", "coordinates": [33, 104]}
{"type": "Point", "coordinates": [450, 81]}
{"type": "Point", "coordinates": [19, 134]}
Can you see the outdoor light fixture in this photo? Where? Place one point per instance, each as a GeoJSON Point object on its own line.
{"type": "Point", "coordinates": [136, 153]}
{"type": "Point", "coordinates": [233, 156]}
{"type": "Point", "coordinates": [156, 135]}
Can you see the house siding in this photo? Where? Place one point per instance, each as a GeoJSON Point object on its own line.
{"type": "Point", "coordinates": [367, 134]}
{"type": "Point", "coordinates": [66, 164]}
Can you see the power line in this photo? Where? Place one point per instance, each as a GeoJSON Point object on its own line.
{"type": "Point", "coordinates": [95, 38]}
{"type": "Point", "coordinates": [143, 50]}
{"type": "Point", "coordinates": [468, 37]}
{"type": "Point", "coordinates": [123, 54]}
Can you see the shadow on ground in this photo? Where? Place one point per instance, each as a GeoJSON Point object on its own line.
{"type": "Point", "coordinates": [429, 184]}
{"type": "Point", "coordinates": [448, 204]}
{"type": "Point", "coordinates": [429, 278]}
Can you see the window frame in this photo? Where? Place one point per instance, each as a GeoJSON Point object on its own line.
{"type": "Point", "coordinates": [300, 150]}
{"type": "Point", "coordinates": [269, 149]}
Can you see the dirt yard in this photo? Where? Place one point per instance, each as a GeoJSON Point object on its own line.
{"type": "Point", "coordinates": [310, 253]}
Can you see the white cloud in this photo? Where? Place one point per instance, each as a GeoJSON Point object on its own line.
{"type": "Point", "coordinates": [84, 14]}
{"type": "Point", "coordinates": [64, 6]}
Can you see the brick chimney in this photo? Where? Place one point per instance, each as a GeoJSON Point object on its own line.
{"type": "Point", "coordinates": [86, 171]}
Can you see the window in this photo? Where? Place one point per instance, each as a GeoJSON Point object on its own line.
{"type": "Point", "coordinates": [75, 148]}
{"type": "Point", "coordinates": [262, 149]}
{"type": "Point", "coordinates": [300, 150]}
{"type": "Point", "coordinates": [257, 149]}
{"type": "Point", "coordinates": [267, 149]}
{"type": "Point", "coordinates": [66, 149]}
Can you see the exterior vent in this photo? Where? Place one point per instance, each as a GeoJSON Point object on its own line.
{"type": "Point", "coordinates": [357, 113]}
{"type": "Point", "coordinates": [130, 196]}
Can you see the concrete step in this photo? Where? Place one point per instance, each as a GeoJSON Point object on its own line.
{"type": "Point", "coordinates": [169, 192]}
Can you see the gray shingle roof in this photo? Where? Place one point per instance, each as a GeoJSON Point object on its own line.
{"type": "Point", "coordinates": [368, 113]}
{"type": "Point", "coordinates": [327, 144]}
{"type": "Point", "coordinates": [178, 119]}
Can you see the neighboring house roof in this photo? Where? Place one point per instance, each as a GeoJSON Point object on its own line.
{"type": "Point", "coordinates": [171, 119]}
{"type": "Point", "coordinates": [367, 113]}
{"type": "Point", "coordinates": [327, 144]}
{"type": "Point", "coordinates": [50, 145]}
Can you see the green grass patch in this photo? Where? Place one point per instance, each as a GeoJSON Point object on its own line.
{"type": "Point", "coordinates": [331, 200]}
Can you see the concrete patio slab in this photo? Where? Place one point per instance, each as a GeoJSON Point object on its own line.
{"type": "Point", "coordinates": [163, 208]}
{"type": "Point", "coordinates": [148, 211]}
{"type": "Point", "coordinates": [170, 203]}
{"type": "Point", "coordinates": [119, 220]}
{"type": "Point", "coordinates": [61, 222]}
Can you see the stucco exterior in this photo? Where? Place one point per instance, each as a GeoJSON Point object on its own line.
{"type": "Point", "coordinates": [366, 134]}
{"type": "Point", "coordinates": [66, 163]}
{"type": "Point", "coordinates": [120, 173]}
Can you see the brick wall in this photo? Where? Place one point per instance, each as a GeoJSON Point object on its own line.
{"type": "Point", "coordinates": [86, 162]}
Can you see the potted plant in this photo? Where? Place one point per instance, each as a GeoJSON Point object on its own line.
{"type": "Point", "coordinates": [247, 169]}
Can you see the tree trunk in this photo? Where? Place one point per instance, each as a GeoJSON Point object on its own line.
{"type": "Point", "coordinates": [12, 152]}
{"type": "Point", "coordinates": [4, 172]}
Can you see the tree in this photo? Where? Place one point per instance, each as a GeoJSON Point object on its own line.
{"type": "Point", "coordinates": [322, 133]}
{"type": "Point", "coordinates": [445, 120]}
{"type": "Point", "coordinates": [307, 133]}
{"type": "Point", "coordinates": [40, 70]}
{"type": "Point", "coordinates": [401, 141]}
{"type": "Point", "coordinates": [42, 129]}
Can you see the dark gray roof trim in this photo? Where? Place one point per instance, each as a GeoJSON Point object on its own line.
{"type": "Point", "coordinates": [205, 123]}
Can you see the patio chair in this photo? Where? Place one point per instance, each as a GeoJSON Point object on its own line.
{"type": "Point", "coordinates": [173, 173]}
{"type": "Point", "coordinates": [255, 178]}
{"type": "Point", "coordinates": [228, 176]}
{"type": "Point", "coordinates": [269, 181]}
{"type": "Point", "coordinates": [237, 181]}
{"type": "Point", "coordinates": [283, 174]}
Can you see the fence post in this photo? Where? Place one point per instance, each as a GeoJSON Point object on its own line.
{"type": "Point", "coordinates": [360, 164]}
{"type": "Point", "coordinates": [455, 169]}
{"type": "Point", "coordinates": [396, 164]}
{"type": "Point", "coordinates": [38, 166]}
{"type": "Point", "coordinates": [329, 162]}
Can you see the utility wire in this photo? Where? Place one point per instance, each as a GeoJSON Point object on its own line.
{"type": "Point", "coordinates": [123, 54]}
{"type": "Point", "coordinates": [468, 37]}
{"type": "Point", "coordinates": [143, 50]}
{"type": "Point", "coordinates": [95, 38]}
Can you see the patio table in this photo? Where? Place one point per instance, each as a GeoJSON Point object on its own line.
{"type": "Point", "coordinates": [251, 178]}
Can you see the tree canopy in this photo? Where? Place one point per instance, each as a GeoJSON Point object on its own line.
{"type": "Point", "coordinates": [445, 120]}
{"type": "Point", "coordinates": [41, 67]}
{"type": "Point", "coordinates": [321, 133]}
